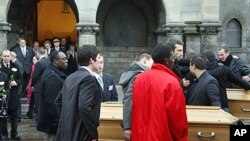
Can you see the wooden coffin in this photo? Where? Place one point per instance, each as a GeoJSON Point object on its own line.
{"type": "Point", "coordinates": [209, 123]}
{"type": "Point", "coordinates": [239, 103]}
{"type": "Point", "coordinates": [110, 128]}
{"type": "Point", "coordinates": [204, 123]}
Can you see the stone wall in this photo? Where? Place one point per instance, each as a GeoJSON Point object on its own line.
{"type": "Point", "coordinates": [118, 59]}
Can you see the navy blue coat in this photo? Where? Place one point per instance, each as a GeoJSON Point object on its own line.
{"type": "Point", "coordinates": [204, 91]}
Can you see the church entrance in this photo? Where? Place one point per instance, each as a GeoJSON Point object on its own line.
{"type": "Point", "coordinates": [39, 20]}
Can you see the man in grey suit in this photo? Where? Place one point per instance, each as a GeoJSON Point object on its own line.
{"type": "Point", "coordinates": [205, 89]}
{"type": "Point", "coordinates": [25, 55]}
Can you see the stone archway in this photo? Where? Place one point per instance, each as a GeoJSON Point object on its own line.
{"type": "Point", "coordinates": [127, 28]}
{"type": "Point", "coordinates": [23, 17]}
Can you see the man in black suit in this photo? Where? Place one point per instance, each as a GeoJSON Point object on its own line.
{"type": "Point", "coordinates": [205, 89]}
{"type": "Point", "coordinates": [79, 100]}
{"type": "Point", "coordinates": [106, 81]}
{"type": "Point", "coordinates": [57, 46]}
{"type": "Point", "coordinates": [47, 45]}
{"type": "Point", "coordinates": [40, 66]}
{"type": "Point", "coordinates": [25, 55]}
{"type": "Point", "coordinates": [15, 79]}
{"type": "Point", "coordinates": [51, 83]}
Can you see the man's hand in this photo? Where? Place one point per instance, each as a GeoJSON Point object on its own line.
{"type": "Point", "coordinates": [13, 83]}
{"type": "Point", "coordinates": [127, 134]}
{"type": "Point", "coordinates": [93, 140]}
{"type": "Point", "coordinates": [185, 82]}
{"type": "Point", "coordinates": [246, 78]}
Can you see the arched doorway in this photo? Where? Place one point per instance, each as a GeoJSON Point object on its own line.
{"type": "Point", "coordinates": [127, 27]}
{"type": "Point", "coordinates": [42, 19]}
{"type": "Point", "coordinates": [55, 19]}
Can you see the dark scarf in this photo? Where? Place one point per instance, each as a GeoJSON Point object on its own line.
{"type": "Point", "coordinates": [228, 60]}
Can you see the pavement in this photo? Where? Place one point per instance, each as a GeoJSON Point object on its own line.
{"type": "Point", "coordinates": [26, 132]}
{"type": "Point", "coordinates": [26, 129]}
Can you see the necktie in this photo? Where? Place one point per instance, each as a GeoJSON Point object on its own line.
{"type": "Point", "coordinates": [100, 81]}
{"type": "Point", "coordinates": [23, 51]}
{"type": "Point", "coordinates": [7, 65]}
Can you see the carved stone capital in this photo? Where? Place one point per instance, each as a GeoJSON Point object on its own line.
{"type": "Point", "coordinates": [87, 28]}
{"type": "Point", "coordinates": [209, 28]}
{"type": "Point", "coordinates": [5, 26]}
{"type": "Point", "coordinates": [173, 28]}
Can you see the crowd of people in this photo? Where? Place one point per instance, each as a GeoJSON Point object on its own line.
{"type": "Point", "coordinates": [65, 86]}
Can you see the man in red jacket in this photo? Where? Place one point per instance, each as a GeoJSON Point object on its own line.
{"type": "Point", "coordinates": [158, 110]}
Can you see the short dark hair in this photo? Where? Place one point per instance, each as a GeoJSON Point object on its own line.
{"type": "Point", "coordinates": [54, 55]}
{"type": "Point", "coordinates": [85, 52]}
{"type": "Point", "coordinates": [199, 62]}
{"type": "Point", "coordinates": [209, 55]}
{"type": "Point", "coordinates": [172, 42]}
{"type": "Point", "coordinates": [161, 52]}
{"type": "Point", "coordinates": [47, 42]}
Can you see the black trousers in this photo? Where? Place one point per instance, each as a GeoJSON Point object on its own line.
{"type": "Point", "coordinates": [13, 113]}
{"type": "Point", "coordinates": [31, 106]}
{"type": "Point", "coordinates": [26, 78]}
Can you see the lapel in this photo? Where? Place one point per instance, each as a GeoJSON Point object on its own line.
{"type": "Point", "coordinates": [105, 83]}
{"type": "Point", "coordinates": [198, 86]}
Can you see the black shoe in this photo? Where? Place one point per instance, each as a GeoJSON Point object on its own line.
{"type": "Point", "coordinates": [15, 137]}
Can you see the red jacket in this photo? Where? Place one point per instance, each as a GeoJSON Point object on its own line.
{"type": "Point", "coordinates": [158, 110]}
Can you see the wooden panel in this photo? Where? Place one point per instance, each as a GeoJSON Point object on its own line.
{"type": "Point", "coordinates": [240, 108]}
{"type": "Point", "coordinates": [210, 116]}
{"type": "Point", "coordinates": [208, 132]}
{"type": "Point", "coordinates": [239, 103]}
{"type": "Point", "coordinates": [204, 119]}
{"type": "Point", "coordinates": [110, 130]}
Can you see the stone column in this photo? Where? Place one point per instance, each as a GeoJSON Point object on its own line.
{"type": "Point", "coordinates": [209, 36]}
{"type": "Point", "coordinates": [87, 33]}
{"type": "Point", "coordinates": [192, 36]}
{"type": "Point", "coordinates": [4, 28]}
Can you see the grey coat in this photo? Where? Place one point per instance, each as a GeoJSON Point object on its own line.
{"type": "Point", "coordinates": [126, 81]}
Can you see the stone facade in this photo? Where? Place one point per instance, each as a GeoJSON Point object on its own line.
{"type": "Point", "coordinates": [201, 24]}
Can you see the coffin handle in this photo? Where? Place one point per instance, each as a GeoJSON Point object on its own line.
{"type": "Point", "coordinates": [212, 134]}
{"type": "Point", "coordinates": [244, 109]}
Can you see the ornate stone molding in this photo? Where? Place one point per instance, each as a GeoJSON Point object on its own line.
{"type": "Point", "coordinates": [209, 28]}
{"type": "Point", "coordinates": [5, 26]}
{"type": "Point", "coordinates": [87, 28]}
{"type": "Point", "coordinates": [173, 28]}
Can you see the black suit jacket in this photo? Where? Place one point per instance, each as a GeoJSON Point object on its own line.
{"type": "Point", "coordinates": [80, 109]}
{"type": "Point", "coordinates": [62, 49]}
{"type": "Point", "coordinates": [109, 89]}
{"type": "Point", "coordinates": [204, 91]}
{"type": "Point", "coordinates": [14, 99]}
{"type": "Point", "coordinates": [27, 60]}
{"type": "Point", "coordinates": [40, 66]}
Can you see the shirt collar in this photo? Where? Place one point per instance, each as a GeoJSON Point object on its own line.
{"type": "Point", "coordinates": [92, 73]}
